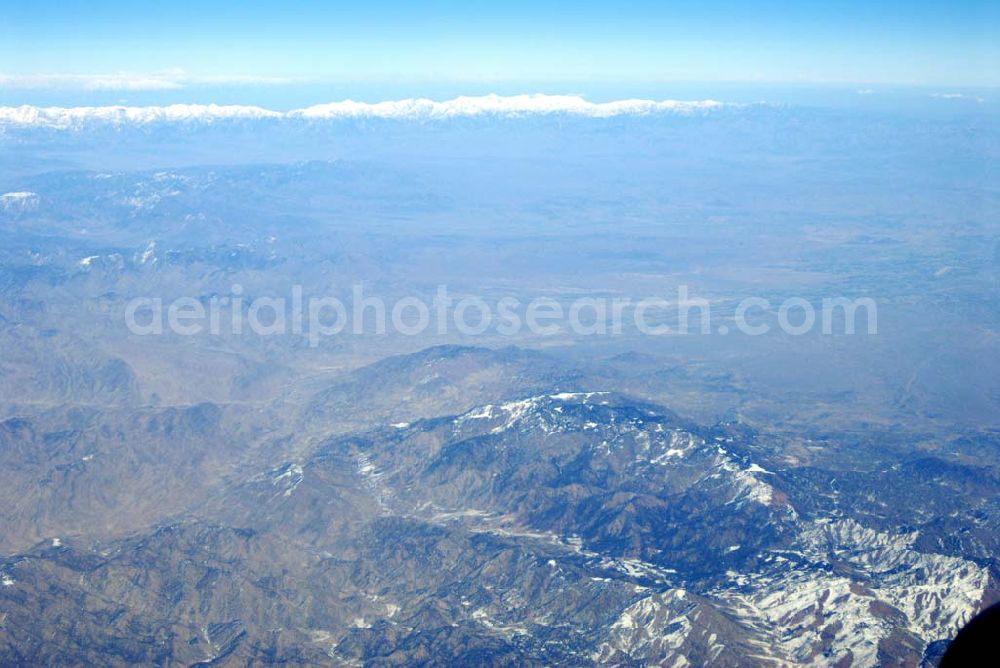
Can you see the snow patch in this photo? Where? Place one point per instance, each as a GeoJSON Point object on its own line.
{"type": "Point", "coordinates": [291, 476]}
{"type": "Point", "coordinates": [19, 202]}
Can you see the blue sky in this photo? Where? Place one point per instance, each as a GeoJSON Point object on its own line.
{"type": "Point", "coordinates": [182, 45]}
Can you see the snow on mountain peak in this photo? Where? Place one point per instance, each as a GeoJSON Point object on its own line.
{"type": "Point", "coordinates": [66, 117]}
{"type": "Point", "coordinates": [19, 201]}
{"type": "Point", "coordinates": [513, 105]}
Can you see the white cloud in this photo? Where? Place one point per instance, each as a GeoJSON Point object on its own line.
{"type": "Point", "coordinates": [132, 81]}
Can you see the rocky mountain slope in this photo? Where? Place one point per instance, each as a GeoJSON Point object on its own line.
{"type": "Point", "coordinates": [564, 527]}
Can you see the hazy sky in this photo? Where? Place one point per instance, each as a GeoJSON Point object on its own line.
{"type": "Point", "coordinates": [172, 45]}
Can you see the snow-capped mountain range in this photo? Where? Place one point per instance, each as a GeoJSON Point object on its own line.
{"type": "Point", "coordinates": [408, 109]}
